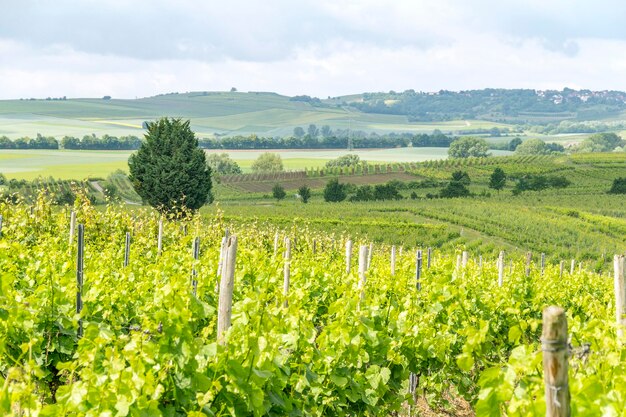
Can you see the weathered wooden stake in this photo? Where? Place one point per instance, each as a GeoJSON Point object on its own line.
{"type": "Point", "coordinates": [127, 250]}
{"type": "Point", "coordinates": [160, 237]}
{"type": "Point", "coordinates": [1, 218]}
{"type": "Point", "coordinates": [362, 269]}
{"type": "Point", "coordinates": [286, 279]}
{"type": "Point", "coordinates": [196, 255]}
{"type": "Point", "coordinates": [555, 366]}
{"type": "Point", "coordinates": [348, 255]}
{"type": "Point", "coordinates": [227, 282]}
{"type": "Point", "coordinates": [314, 246]}
{"type": "Point", "coordinates": [620, 294]}
{"type": "Point", "coordinates": [561, 267]}
{"type": "Point", "coordinates": [501, 269]}
{"type": "Point", "coordinates": [572, 266]}
{"type": "Point", "coordinates": [72, 228]}
{"type": "Point", "coordinates": [464, 259]}
{"type": "Point", "coordinates": [429, 252]}
{"type": "Point", "coordinates": [287, 254]}
{"type": "Point", "coordinates": [275, 243]}
{"type": "Point", "coordinates": [529, 258]}
{"type": "Point", "coordinates": [80, 262]}
{"type": "Point", "coordinates": [393, 260]}
{"type": "Point", "coordinates": [418, 269]}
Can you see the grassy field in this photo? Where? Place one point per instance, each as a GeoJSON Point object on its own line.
{"type": "Point", "coordinates": [29, 164]}
{"type": "Point", "coordinates": [211, 112]}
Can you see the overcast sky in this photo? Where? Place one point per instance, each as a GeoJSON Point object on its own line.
{"type": "Point", "coordinates": [138, 48]}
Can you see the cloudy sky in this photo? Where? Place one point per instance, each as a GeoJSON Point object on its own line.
{"type": "Point", "coordinates": [138, 48]}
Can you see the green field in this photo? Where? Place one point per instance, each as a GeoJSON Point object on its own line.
{"type": "Point", "coordinates": [213, 112]}
{"type": "Point", "coordinates": [29, 164]}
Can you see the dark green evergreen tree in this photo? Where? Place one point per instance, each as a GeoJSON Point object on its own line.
{"type": "Point", "coordinates": [497, 180]}
{"type": "Point", "coordinates": [334, 191]}
{"type": "Point", "coordinates": [305, 193]}
{"type": "Point", "coordinates": [278, 192]}
{"type": "Point", "coordinates": [169, 171]}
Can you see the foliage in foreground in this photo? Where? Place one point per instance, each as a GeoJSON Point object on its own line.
{"type": "Point", "coordinates": [149, 348]}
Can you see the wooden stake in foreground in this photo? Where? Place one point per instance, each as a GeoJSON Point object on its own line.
{"type": "Point", "coordinates": [348, 255]}
{"type": "Point", "coordinates": [393, 260]}
{"type": "Point", "coordinates": [127, 250]}
{"type": "Point", "coordinates": [555, 352]}
{"type": "Point", "coordinates": [80, 260]}
{"type": "Point", "coordinates": [529, 258]}
{"type": "Point", "coordinates": [227, 282]}
{"type": "Point", "coordinates": [196, 255]}
{"type": "Point", "coordinates": [362, 269]}
{"type": "Point", "coordinates": [501, 269]}
{"type": "Point", "coordinates": [160, 237]}
{"type": "Point", "coordinates": [418, 269]}
{"type": "Point", "coordinates": [72, 228]}
{"type": "Point", "coordinates": [620, 294]}
{"type": "Point", "coordinates": [1, 225]}
{"type": "Point", "coordinates": [286, 281]}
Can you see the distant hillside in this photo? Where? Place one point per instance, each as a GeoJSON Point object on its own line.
{"type": "Point", "coordinates": [216, 114]}
{"type": "Point", "coordinates": [507, 106]}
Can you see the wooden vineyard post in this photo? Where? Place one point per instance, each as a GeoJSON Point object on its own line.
{"type": "Point", "coordinates": [80, 262]}
{"type": "Point", "coordinates": [561, 267]}
{"type": "Point", "coordinates": [194, 274]}
{"type": "Point", "coordinates": [287, 254]}
{"type": "Point", "coordinates": [314, 246]}
{"type": "Point", "coordinates": [127, 250]}
{"type": "Point", "coordinates": [501, 269]}
{"type": "Point", "coordinates": [429, 254]}
{"type": "Point", "coordinates": [362, 270]}
{"type": "Point", "coordinates": [72, 229]}
{"type": "Point", "coordinates": [160, 237]}
{"type": "Point", "coordinates": [1, 218]}
{"type": "Point", "coordinates": [418, 269]}
{"type": "Point", "coordinates": [465, 258]}
{"type": "Point", "coordinates": [286, 279]}
{"type": "Point", "coordinates": [393, 260]}
{"type": "Point", "coordinates": [543, 262]}
{"type": "Point", "coordinates": [529, 258]}
{"type": "Point", "coordinates": [620, 295]}
{"type": "Point", "coordinates": [572, 266]}
{"type": "Point", "coordinates": [227, 282]}
{"type": "Point", "coordinates": [348, 255]}
{"type": "Point", "coordinates": [555, 353]}
{"type": "Point", "coordinates": [275, 243]}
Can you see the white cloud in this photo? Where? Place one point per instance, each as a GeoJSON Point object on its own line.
{"type": "Point", "coordinates": [325, 47]}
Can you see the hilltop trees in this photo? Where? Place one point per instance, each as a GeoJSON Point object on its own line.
{"type": "Point", "coordinates": [468, 146]}
{"type": "Point", "coordinates": [169, 171]}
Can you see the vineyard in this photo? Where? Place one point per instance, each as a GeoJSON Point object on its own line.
{"type": "Point", "coordinates": [201, 317]}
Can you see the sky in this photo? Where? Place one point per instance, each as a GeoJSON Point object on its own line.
{"type": "Point", "coordinates": [140, 48]}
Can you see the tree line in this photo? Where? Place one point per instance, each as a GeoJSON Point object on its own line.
{"type": "Point", "coordinates": [307, 141]}
{"type": "Point", "coordinates": [88, 142]}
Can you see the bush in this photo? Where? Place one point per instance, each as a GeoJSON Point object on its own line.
{"type": "Point", "coordinates": [305, 193]}
{"type": "Point", "coordinates": [334, 191]}
{"type": "Point", "coordinates": [278, 192]}
{"type": "Point", "coordinates": [457, 187]}
{"type": "Point", "coordinates": [619, 186]}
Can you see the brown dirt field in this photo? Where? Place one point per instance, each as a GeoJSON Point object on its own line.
{"type": "Point", "coordinates": [319, 183]}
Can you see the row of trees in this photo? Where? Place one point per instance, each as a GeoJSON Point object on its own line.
{"type": "Point", "coordinates": [88, 142]}
{"type": "Point", "coordinates": [308, 141]}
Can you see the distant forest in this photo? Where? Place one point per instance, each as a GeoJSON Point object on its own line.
{"type": "Point", "coordinates": [512, 106]}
